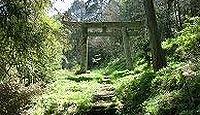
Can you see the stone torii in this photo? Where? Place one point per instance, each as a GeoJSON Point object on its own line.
{"type": "Point", "coordinates": [127, 29]}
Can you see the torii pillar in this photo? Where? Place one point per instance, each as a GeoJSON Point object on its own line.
{"type": "Point", "coordinates": [127, 49]}
{"type": "Point", "coordinates": [84, 49]}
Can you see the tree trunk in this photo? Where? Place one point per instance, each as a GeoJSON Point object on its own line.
{"type": "Point", "coordinates": [155, 36]}
{"type": "Point", "coordinates": [169, 21]}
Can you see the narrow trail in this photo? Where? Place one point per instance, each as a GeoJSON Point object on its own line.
{"type": "Point", "coordinates": [105, 102]}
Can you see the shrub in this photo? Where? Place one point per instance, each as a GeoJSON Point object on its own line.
{"type": "Point", "coordinates": [133, 90]}
{"type": "Point", "coordinates": [162, 104]}
{"type": "Point", "coordinates": [186, 43]}
{"type": "Point", "coordinates": [168, 79]}
{"type": "Point", "coordinates": [15, 98]}
{"type": "Point", "coordinates": [175, 90]}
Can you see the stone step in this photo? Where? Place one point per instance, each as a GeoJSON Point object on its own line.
{"type": "Point", "coordinates": [106, 89]}
{"type": "Point", "coordinates": [104, 97]}
{"type": "Point", "coordinates": [108, 98]}
{"type": "Point", "coordinates": [110, 111]}
{"type": "Point", "coordinates": [106, 81]}
{"type": "Point", "coordinates": [103, 105]}
{"type": "Point", "coordinates": [105, 102]}
{"type": "Point", "coordinates": [106, 85]}
{"type": "Point", "coordinates": [104, 93]}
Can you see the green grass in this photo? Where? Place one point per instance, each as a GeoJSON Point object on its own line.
{"type": "Point", "coordinates": [68, 94]}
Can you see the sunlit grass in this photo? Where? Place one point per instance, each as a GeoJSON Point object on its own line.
{"type": "Point", "coordinates": [67, 94]}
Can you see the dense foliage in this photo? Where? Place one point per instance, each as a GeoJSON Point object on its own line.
{"type": "Point", "coordinates": [29, 40]}
{"type": "Point", "coordinates": [30, 49]}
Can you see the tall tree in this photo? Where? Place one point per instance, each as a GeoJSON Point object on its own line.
{"type": "Point", "coordinates": [155, 36]}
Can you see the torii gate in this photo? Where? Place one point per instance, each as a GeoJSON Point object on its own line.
{"type": "Point", "coordinates": [127, 29]}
